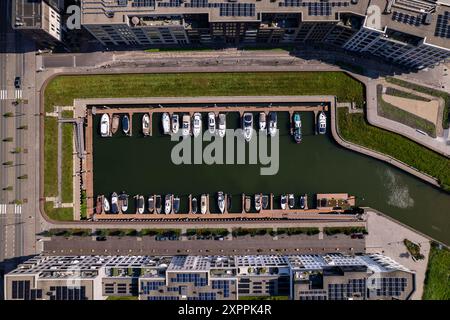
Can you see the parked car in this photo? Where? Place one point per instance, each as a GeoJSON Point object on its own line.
{"type": "Point", "coordinates": [17, 82]}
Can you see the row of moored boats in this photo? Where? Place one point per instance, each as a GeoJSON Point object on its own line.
{"type": "Point", "coordinates": [171, 204]}
{"type": "Point", "coordinates": [216, 125]}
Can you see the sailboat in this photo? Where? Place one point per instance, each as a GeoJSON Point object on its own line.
{"type": "Point", "coordinates": [165, 123]}
{"type": "Point", "coordinates": [221, 201]}
{"type": "Point", "coordinates": [151, 204]}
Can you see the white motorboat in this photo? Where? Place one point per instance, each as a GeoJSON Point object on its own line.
{"type": "Point", "coordinates": [146, 125]}
{"type": "Point", "coordinates": [175, 123]}
{"type": "Point", "coordinates": [105, 126]}
{"type": "Point", "coordinates": [203, 203]}
{"type": "Point", "coordinates": [221, 201]}
{"type": "Point", "coordinates": [222, 125]}
{"type": "Point", "coordinates": [186, 125]}
{"type": "Point", "coordinates": [168, 204]}
{"type": "Point", "coordinates": [140, 204]}
{"type": "Point", "coordinates": [283, 201]}
{"type": "Point", "coordinates": [262, 121]}
{"type": "Point", "coordinates": [258, 202]}
{"type": "Point", "coordinates": [197, 124]}
{"type": "Point", "coordinates": [247, 126]}
{"type": "Point", "coordinates": [106, 206]}
{"type": "Point", "coordinates": [272, 123]}
{"type": "Point", "coordinates": [211, 122]}
{"type": "Point", "coordinates": [166, 123]}
{"type": "Point", "coordinates": [322, 123]}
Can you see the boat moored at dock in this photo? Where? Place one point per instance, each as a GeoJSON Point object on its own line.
{"type": "Point", "coordinates": [165, 123]}
{"type": "Point", "coordinates": [222, 126]}
{"type": "Point", "coordinates": [106, 206]}
{"type": "Point", "coordinates": [302, 202]}
{"type": "Point", "coordinates": [115, 123]}
{"type": "Point", "coordinates": [258, 202]}
{"type": "Point", "coordinates": [126, 124]}
{"type": "Point", "coordinates": [114, 203]}
{"type": "Point", "coordinates": [229, 202]}
{"type": "Point", "coordinates": [247, 126]}
{"type": "Point", "coordinates": [194, 205]}
{"type": "Point", "coordinates": [211, 123]}
{"type": "Point", "coordinates": [105, 125]}
{"type": "Point", "coordinates": [297, 132]}
{"type": "Point", "coordinates": [146, 125]}
{"type": "Point", "coordinates": [221, 201]}
{"type": "Point", "coordinates": [175, 123]}
{"type": "Point", "coordinates": [123, 202]}
{"type": "Point", "coordinates": [203, 203]}
{"type": "Point", "coordinates": [196, 124]}
{"type": "Point", "coordinates": [272, 123]}
{"type": "Point", "coordinates": [283, 200]}
{"type": "Point", "coordinates": [262, 122]}
{"type": "Point", "coordinates": [186, 126]}
{"type": "Point", "coordinates": [322, 123]}
{"type": "Point", "coordinates": [151, 204]}
{"type": "Point", "coordinates": [168, 204]}
{"type": "Point", "coordinates": [291, 201]}
{"type": "Point", "coordinates": [140, 204]}
{"type": "Point", "coordinates": [247, 204]}
{"type": "Point", "coordinates": [176, 204]}
{"type": "Point", "coordinates": [99, 204]}
{"type": "Point", "coordinates": [265, 201]}
{"type": "Point", "coordinates": [158, 203]}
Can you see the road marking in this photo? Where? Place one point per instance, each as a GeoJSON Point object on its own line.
{"type": "Point", "coordinates": [18, 209]}
{"type": "Point", "coordinates": [3, 94]}
{"type": "Point", "coordinates": [18, 94]}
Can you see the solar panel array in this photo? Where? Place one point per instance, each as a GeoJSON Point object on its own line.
{"type": "Point", "coordinates": [443, 26]}
{"type": "Point", "coordinates": [407, 18]}
{"type": "Point", "coordinates": [237, 9]}
{"type": "Point", "coordinates": [143, 3]}
{"type": "Point", "coordinates": [170, 4]}
{"type": "Point", "coordinates": [315, 8]}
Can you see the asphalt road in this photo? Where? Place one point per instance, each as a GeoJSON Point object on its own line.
{"type": "Point", "coordinates": [298, 244]}
{"type": "Point", "coordinates": [17, 59]}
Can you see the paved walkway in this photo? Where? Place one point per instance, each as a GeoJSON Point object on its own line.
{"type": "Point", "coordinates": [438, 145]}
{"type": "Point", "coordinates": [386, 236]}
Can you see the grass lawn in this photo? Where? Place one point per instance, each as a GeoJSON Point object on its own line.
{"type": "Point", "coordinates": [437, 280]}
{"type": "Point", "coordinates": [62, 90]}
{"type": "Point", "coordinates": [354, 128]}
{"type": "Point", "coordinates": [394, 113]}
{"type": "Point", "coordinates": [61, 214]}
{"type": "Point", "coordinates": [431, 92]}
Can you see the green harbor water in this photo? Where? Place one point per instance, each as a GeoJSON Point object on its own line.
{"type": "Point", "coordinates": [143, 165]}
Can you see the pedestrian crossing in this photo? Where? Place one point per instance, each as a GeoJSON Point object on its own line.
{"type": "Point", "coordinates": [3, 94]}
{"type": "Point", "coordinates": [18, 94]}
{"type": "Point", "coordinates": [10, 209]}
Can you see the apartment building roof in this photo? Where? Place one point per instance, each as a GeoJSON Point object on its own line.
{"type": "Point", "coordinates": [423, 20]}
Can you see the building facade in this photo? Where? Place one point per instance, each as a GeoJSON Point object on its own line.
{"type": "Point", "coordinates": [414, 33]}
{"type": "Point", "coordinates": [298, 277]}
{"type": "Point", "coordinates": [40, 20]}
